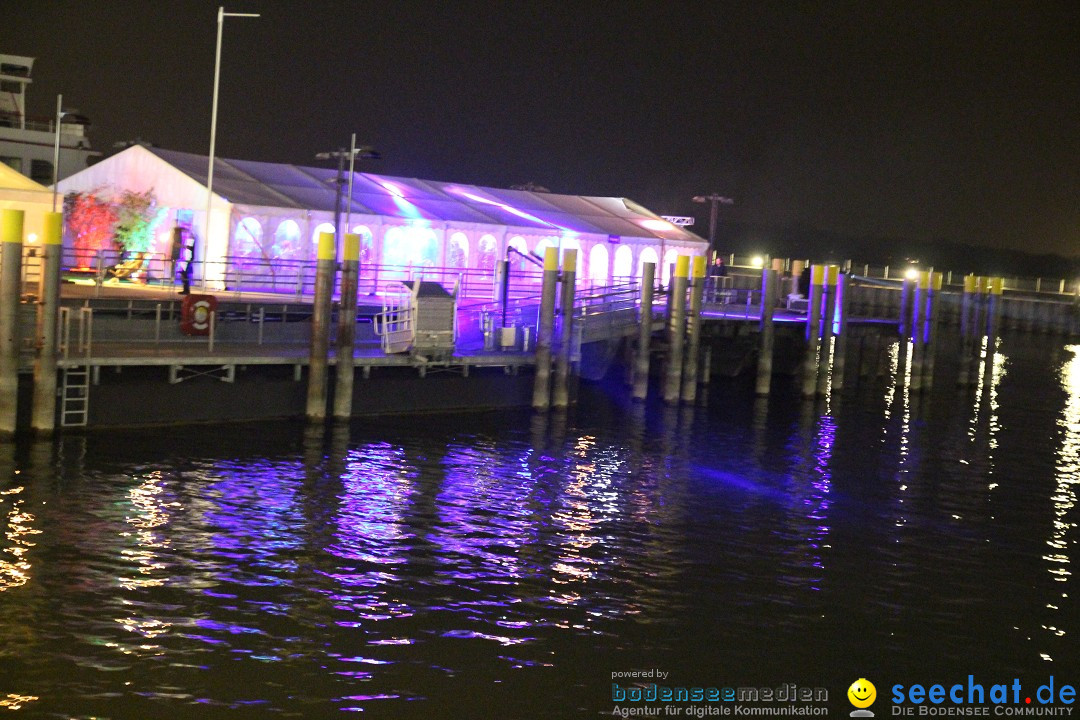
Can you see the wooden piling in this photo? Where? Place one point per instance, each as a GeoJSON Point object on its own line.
{"type": "Point", "coordinates": [934, 313]}
{"type": "Point", "coordinates": [993, 312]}
{"type": "Point", "coordinates": [904, 325]}
{"type": "Point", "coordinates": [918, 329]}
{"type": "Point", "coordinates": [844, 297]}
{"type": "Point", "coordinates": [346, 331]}
{"type": "Point", "coordinates": [43, 415]}
{"type": "Point", "coordinates": [967, 329]}
{"type": "Point", "coordinates": [813, 328]}
{"type": "Point", "coordinates": [676, 331]}
{"type": "Point", "coordinates": [545, 330]}
{"type": "Point", "coordinates": [693, 328]}
{"type": "Point", "coordinates": [560, 393]}
{"type": "Point", "coordinates": [320, 327]}
{"type": "Point", "coordinates": [645, 320]}
{"type": "Point", "coordinates": [11, 236]}
{"type": "Point", "coordinates": [765, 354]}
{"type": "Point", "coordinates": [832, 274]}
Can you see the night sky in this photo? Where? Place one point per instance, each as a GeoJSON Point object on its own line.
{"type": "Point", "coordinates": [917, 120]}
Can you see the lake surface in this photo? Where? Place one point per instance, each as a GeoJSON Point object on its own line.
{"type": "Point", "coordinates": [505, 565]}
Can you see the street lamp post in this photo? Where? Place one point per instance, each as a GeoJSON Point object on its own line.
{"type": "Point", "coordinates": [213, 131]}
{"type": "Point", "coordinates": [56, 149]}
{"type": "Point", "coordinates": [713, 199]}
{"type": "Point", "coordinates": [364, 152]}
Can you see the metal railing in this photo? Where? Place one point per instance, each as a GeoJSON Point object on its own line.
{"type": "Point", "coordinates": [296, 278]}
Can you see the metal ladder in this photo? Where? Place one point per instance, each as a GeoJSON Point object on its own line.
{"type": "Point", "coordinates": [75, 386]}
{"type": "Point", "coordinates": [75, 396]}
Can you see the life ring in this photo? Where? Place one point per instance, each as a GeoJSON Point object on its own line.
{"type": "Point", "coordinates": [195, 312]}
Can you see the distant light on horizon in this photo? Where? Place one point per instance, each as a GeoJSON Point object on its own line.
{"type": "Point", "coordinates": [912, 273]}
{"type": "Point", "coordinates": [757, 261]}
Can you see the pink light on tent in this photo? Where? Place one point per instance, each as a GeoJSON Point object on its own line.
{"type": "Point", "coordinates": [398, 195]}
{"type": "Point", "coordinates": [508, 208]}
{"type": "Point", "coordinates": [392, 189]}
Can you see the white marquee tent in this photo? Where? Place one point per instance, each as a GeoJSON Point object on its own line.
{"type": "Point", "coordinates": [270, 214]}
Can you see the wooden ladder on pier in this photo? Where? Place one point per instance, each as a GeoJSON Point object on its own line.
{"type": "Point", "coordinates": [75, 396]}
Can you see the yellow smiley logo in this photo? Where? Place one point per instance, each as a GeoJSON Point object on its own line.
{"type": "Point", "coordinates": [862, 693]}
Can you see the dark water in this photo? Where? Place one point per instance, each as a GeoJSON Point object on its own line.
{"type": "Point", "coordinates": [505, 566]}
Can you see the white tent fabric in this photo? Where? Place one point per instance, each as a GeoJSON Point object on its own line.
{"type": "Point", "coordinates": [270, 212]}
{"type": "Point", "coordinates": [18, 192]}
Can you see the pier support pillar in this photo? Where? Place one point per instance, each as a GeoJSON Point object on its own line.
{"type": "Point", "coordinates": [676, 330]}
{"type": "Point", "coordinates": [967, 329]}
{"type": "Point", "coordinates": [320, 327]}
{"type": "Point", "coordinates": [918, 330]}
{"type": "Point", "coordinates": [11, 234]}
{"type": "Point", "coordinates": [43, 415]}
{"type": "Point", "coordinates": [560, 396]}
{"type": "Point", "coordinates": [765, 353]}
{"type": "Point", "coordinates": [693, 327]}
{"type": "Point", "coordinates": [933, 311]}
{"type": "Point", "coordinates": [645, 315]}
{"type": "Point", "coordinates": [904, 326]}
{"type": "Point", "coordinates": [346, 332]}
{"type": "Point", "coordinates": [844, 297]}
{"type": "Point", "coordinates": [995, 287]}
{"type": "Point", "coordinates": [813, 328]}
{"type": "Point", "coordinates": [832, 277]}
{"type": "Point", "coordinates": [545, 330]}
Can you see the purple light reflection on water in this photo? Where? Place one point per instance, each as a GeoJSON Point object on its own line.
{"type": "Point", "coordinates": [370, 538]}
{"type": "Point", "coordinates": [821, 482]}
{"type": "Point", "coordinates": [468, 566]}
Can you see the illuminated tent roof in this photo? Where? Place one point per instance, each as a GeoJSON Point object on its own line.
{"type": "Point", "coordinates": [12, 179]}
{"type": "Point", "coordinates": [244, 182]}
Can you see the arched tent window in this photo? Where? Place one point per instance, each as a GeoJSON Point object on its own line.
{"type": "Point", "coordinates": [486, 251]}
{"type": "Point", "coordinates": [457, 251]}
{"type": "Point", "coordinates": [423, 246]}
{"type": "Point", "coordinates": [367, 244]}
{"type": "Point", "coordinates": [415, 246]}
{"type": "Point", "coordinates": [598, 261]}
{"type": "Point", "coordinates": [247, 243]}
{"type": "Point", "coordinates": [669, 260]}
{"type": "Point", "coordinates": [516, 261]}
{"type": "Point", "coordinates": [394, 250]}
{"type": "Point", "coordinates": [286, 241]}
{"type": "Point", "coordinates": [647, 255]}
{"type": "Point", "coordinates": [542, 245]}
{"type": "Point", "coordinates": [624, 262]}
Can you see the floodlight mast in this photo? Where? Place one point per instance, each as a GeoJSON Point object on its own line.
{"type": "Point", "coordinates": [221, 15]}
{"type": "Point", "coordinates": [714, 199]}
{"type": "Point", "coordinates": [364, 152]}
